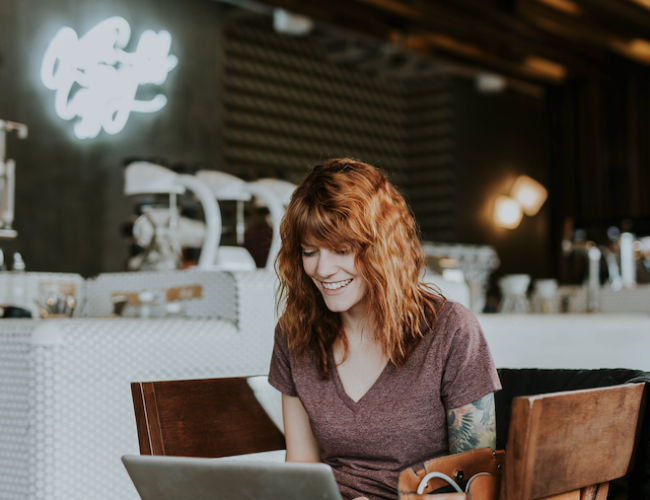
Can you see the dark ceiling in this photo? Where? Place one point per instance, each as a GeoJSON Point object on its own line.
{"type": "Point", "coordinates": [534, 43]}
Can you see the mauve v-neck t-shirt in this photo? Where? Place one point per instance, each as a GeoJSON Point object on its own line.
{"type": "Point", "coordinates": [401, 421]}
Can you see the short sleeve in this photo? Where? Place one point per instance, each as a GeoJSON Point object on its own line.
{"type": "Point", "coordinates": [280, 375]}
{"type": "Point", "coordinates": [469, 373]}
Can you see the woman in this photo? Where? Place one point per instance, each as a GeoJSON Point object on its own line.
{"type": "Point", "coordinates": [378, 372]}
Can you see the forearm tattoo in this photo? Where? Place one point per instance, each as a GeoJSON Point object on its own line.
{"type": "Point", "coordinates": [472, 426]}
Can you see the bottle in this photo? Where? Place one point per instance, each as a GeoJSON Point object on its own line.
{"type": "Point", "coordinates": [4, 280]}
{"type": "Point", "coordinates": [17, 283]}
{"type": "Point", "coordinates": [628, 266]}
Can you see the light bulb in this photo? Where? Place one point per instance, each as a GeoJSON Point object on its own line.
{"type": "Point", "coordinates": [530, 194]}
{"type": "Point", "coordinates": [507, 212]}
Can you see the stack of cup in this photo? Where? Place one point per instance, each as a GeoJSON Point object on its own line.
{"type": "Point", "coordinates": [545, 300]}
{"type": "Point", "coordinates": [513, 294]}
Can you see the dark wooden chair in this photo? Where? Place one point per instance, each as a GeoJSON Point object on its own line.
{"type": "Point", "coordinates": [202, 418]}
{"type": "Point", "coordinates": [558, 443]}
{"type": "Point", "coordinates": [568, 441]}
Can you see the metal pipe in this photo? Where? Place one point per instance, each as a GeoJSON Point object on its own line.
{"type": "Point", "coordinates": [212, 238]}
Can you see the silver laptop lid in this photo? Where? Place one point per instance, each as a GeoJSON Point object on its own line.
{"type": "Point", "coordinates": [182, 478]}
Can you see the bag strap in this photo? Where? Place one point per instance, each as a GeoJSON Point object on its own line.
{"type": "Point", "coordinates": [460, 467]}
{"type": "Point", "coordinates": [483, 486]}
{"type": "Point", "coordinates": [425, 481]}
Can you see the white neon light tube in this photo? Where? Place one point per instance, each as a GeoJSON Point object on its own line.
{"type": "Point", "coordinates": [97, 81]}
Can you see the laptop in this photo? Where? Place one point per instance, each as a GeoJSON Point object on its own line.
{"type": "Point", "coordinates": [182, 478]}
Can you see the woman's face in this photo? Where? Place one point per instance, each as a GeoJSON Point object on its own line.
{"type": "Point", "coordinates": [335, 275]}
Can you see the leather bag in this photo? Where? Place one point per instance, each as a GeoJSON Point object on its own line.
{"type": "Point", "coordinates": [481, 469]}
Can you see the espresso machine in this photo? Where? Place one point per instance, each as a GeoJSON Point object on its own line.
{"type": "Point", "coordinates": [159, 229]}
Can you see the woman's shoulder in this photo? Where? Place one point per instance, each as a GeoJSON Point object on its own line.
{"type": "Point", "coordinates": [457, 312]}
{"type": "Point", "coordinates": [280, 339]}
{"type": "Point", "coordinates": [283, 345]}
{"type": "Point", "coordinates": [448, 309]}
{"type": "Point", "coordinates": [451, 317]}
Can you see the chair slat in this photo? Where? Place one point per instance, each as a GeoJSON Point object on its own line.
{"type": "Point", "coordinates": [565, 441]}
{"type": "Point", "coordinates": [202, 418]}
{"type": "Point", "coordinates": [147, 419]}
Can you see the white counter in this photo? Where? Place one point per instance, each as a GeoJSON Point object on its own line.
{"type": "Point", "coordinates": [569, 340]}
{"type": "Point", "coordinates": [66, 411]}
{"type": "Point", "coordinates": [66, 414]}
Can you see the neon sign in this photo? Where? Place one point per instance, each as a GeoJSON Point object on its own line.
{"type": "Point", "coordinates": [97, 81]}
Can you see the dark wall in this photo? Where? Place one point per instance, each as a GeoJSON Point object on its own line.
{"type": "Point", "coordinates": [600, 148]}
{"type": "Point", "coordinates": [499, 137]}
{"type": "Point", "coordinates": [291, 102]}
{"type": "Point", "coordinates": [69, 200]}
{"type": "Point", "coordinates": [600, 158]}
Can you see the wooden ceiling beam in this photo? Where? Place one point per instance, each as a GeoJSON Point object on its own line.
{"type": "Point", "coordinates": [630, 15]}
{"type": "Point", "coordinates": [392, 29]}
{"type": "Point", "coordinates": [604, 23]}
{"type": "Point", "coordinates": [588, 31]}
{"type": "Point", "coordinates": [485, 26]}
{"type": "Point", "coordinates": [587, 39]}
{"type": "Point", "coordinates": [437, 44]}
{"type": "Point", "coordinates": [481, 34]}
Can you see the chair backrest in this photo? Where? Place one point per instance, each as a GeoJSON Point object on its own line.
{"type": "Point", "coordinates": [564, 441]}
{"type": "Point", "coordinates": [202, 418]}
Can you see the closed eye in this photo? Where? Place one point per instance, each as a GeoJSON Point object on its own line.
{"type": "Point", "coordinates": [308, 253]}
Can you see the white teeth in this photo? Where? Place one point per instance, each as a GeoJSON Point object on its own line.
{"type": "Point", "coordinates": [337, 285]}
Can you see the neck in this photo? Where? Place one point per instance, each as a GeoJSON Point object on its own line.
{"type": "Point", "coordinates": [355, 321]}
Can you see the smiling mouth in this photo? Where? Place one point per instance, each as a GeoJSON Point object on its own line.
{"type": "Point", "coordinates": [336, 285]}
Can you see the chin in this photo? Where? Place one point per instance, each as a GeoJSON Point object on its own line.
{"type": "Point", "coordinates": [338, 306]}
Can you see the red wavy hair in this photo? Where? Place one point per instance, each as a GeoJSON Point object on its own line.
{"type": "Point", "coordinates": [345, 204]}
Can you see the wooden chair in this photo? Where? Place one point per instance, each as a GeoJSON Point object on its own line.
{"type": "Point", "coordinates": [202, 418]}
{"type": "Point", "coordinates": [563, 442]}
{"type": "Point", "coordinates": [558, 443]}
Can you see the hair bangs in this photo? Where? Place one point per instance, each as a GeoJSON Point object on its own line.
{"type": "Point", "coordinates": [319, 227]}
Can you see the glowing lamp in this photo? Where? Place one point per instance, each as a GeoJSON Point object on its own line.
{"type": "Point", "coordinates": [97, 81]}
{"type": "Point", "coordinates": [507, 212]}
{"type": "Point", "coordinates": [530, 194]}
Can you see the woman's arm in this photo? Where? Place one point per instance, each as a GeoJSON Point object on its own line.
{"type": "Point", "coordinates": [301, 444]}
{"type": "Point", "coordinates": [472, 426]}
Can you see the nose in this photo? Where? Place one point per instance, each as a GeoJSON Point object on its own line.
{"type": "Point", "coordinates": [326, 266]}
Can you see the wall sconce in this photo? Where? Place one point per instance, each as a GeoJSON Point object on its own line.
{"type": "Point", "coordinates": [526, 196]}
{"type": "Point", "coordinates": [530, 194]}
{"type": "Point", "coordinates": [507, 212]}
